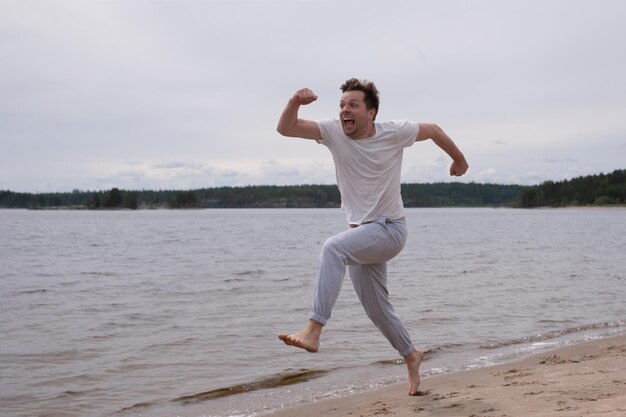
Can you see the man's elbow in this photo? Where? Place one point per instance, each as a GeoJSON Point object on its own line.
{"type": "Point", "coordinates": [282, 130]}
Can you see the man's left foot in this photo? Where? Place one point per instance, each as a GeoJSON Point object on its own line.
{"type": "Point", "coordinates": [413, 362]}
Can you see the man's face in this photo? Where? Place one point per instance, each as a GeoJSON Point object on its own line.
{"type": "Point", "coordinates": [356, 119]}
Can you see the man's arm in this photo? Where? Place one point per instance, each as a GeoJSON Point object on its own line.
{"type": "Point", "coordinates": [436, 134]}
{"type": "Point", "coordinates": [289, 123]}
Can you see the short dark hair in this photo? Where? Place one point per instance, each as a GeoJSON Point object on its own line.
{"type": "Point", "coordinates": [369, 89]}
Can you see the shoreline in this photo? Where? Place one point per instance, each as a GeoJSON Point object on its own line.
{"type": "Point", "coordinates": [587, 378]}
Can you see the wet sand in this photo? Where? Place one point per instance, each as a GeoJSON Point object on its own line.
{"type": "Point", "coordinates": [587, 379]}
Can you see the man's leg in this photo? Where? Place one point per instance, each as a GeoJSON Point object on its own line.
{"type": "Point", "coordinates": [370, 285]}
{"type": "Point", "coordinates": [330, 275]}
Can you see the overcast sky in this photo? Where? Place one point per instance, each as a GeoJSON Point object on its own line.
{"type": "Point", "coordinates": [178, 94]}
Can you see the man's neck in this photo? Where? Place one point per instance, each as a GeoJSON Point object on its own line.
{"type": "Point", "coordinates": [370, 133]}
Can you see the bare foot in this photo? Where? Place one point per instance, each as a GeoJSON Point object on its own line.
{"type": "Point", "coordinates": [413, 362]}
{"type": "Point", "coordinates": [308, 339]}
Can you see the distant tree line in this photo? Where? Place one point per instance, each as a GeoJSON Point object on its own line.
{"type": "Point", "coordinates": [596, 189]}
{"type": "Point", "coordinates": [458, 194]}
{"type": "Point", "coordinates": [262, 196]}
{"type": "Point", "coordinates": [602, 189]}
{"type": "Point", "coordinates": [115, 198]}
{"type": "Point", "coordinates": [112, 199]}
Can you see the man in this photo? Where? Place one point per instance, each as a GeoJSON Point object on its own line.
{"type": "Point", "coordinates": [368, 160]}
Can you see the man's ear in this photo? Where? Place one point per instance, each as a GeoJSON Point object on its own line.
{"type": "Point", "coordinates": [372, 113]}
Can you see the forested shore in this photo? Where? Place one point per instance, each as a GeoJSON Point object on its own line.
{"type": "Point", "coordinates": [601, 189]}
{"type": "Point", "coordinates": [270, 196]}
{"type": "Point", "coordinates": [598, 190]}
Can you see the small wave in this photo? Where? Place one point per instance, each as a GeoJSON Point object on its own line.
{"type": "Point", "coordinates": [99, 273]}
{"type": "Point", "coordinates": [554, 334]}
{"type": "Point", "coordinates": [271, 382]}
{"type": "Point", "coordinates": [37, 291]}
{"type": "Point", "coordinates": [387, 362]}
{"type": "Point", "coordinates": [70, 394]}
{"type": "Point", "coordinates": [548, 321]}
{"type": "Point", "coordinates": [435, 320]}
{"type": "Point", "coordinates": [234, 280]}
{"type": "Point", "coordinates": [52, 357]}
{"type": "Point", "coordinates": [250, 272]}
{"type": "Point", "coordinates": [428, 354]}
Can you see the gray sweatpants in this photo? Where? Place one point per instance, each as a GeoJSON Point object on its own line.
{"type": "Point", "coordinates": [365, 251]}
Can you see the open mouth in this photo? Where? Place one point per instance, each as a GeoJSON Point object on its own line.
{"type": "Point", "coordinates": [348, 123]}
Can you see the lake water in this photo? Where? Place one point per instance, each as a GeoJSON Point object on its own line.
{"type": "Point", "coordinates": [175, 313]}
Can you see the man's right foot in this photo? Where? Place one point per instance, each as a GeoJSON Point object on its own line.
{"type": "Point", "coordinates": [308, 339]}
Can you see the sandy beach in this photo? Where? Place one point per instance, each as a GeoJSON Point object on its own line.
{"type": "Point", "coordinates": [587, 379]}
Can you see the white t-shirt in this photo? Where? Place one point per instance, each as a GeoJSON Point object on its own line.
{"type": "Point", "coordinates": [368, 170]}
